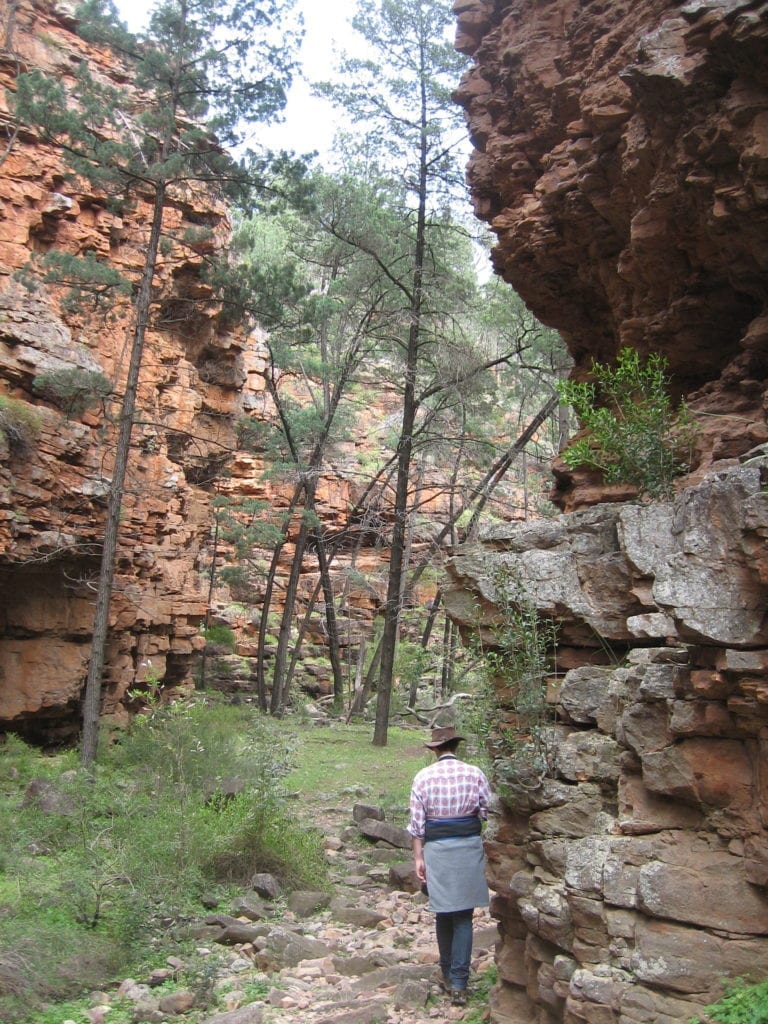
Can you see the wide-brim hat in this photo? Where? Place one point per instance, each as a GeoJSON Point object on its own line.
{"type": "Point", "coordinates": [444, 735]}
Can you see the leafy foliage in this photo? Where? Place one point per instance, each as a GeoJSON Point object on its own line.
{"type": "Point", "coordinates": [742, 1004]}
{"type": "Point", "coordinates": [220, 636]}
{"type": "Point", "coordinates": [511, 707]}
{"type": "Point", "coordinates": [634, 435]}
{"type": "Point", "coordinates": [19, 424]}
{"type": "Point", "coordinates": [88, 883]}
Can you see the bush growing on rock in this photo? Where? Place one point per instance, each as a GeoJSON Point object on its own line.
{"type": "Point", "coordinates": [741, 1004]}
{"type": "Point", "coordinates": [19, 424]}
{"type": "Point", "coordinates": [73, 390]}
{"type": "Point", "coordinates": [633, 433]}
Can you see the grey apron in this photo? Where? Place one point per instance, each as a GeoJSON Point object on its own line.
{"type": "Point", "coordinates": [455, 873]}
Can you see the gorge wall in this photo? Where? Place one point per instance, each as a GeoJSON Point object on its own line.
{"type": "Point", "coordinates": [53, 483]}
{"type": "Point", "coordinates": [621, 159]}
{"type": "Point", "coordinates": [199, 377]}
{"type": "Point", "coordinates": [633, 879]}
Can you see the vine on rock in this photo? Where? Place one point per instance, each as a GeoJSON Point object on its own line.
{"type": "Point", "coordinates": [512, 709]}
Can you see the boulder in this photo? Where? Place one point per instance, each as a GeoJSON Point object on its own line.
{"type": "Point", "coordinates": [373, 828]}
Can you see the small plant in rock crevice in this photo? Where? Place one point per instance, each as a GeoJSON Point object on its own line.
{"type": "Point", "coordinates": [19, 424]}
{"type": "Point", "coordinates": [743, 1003]}
{"type": "Point", "coordinates": [220, 636]}
{"type": "Point", "coordinates": [479, 995]}
{"type": "Point", "coordinates": [511, 708]}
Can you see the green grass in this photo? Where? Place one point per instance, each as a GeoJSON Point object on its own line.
{"type": "Point", "coordinates": [87, 890]}
{"type": "Point", "coordinates": [341, 763]}
{"type": "Point", "coordinates": [479, 996]}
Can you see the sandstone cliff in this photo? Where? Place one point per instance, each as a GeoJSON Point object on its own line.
{"type": "Point", "coordinates": [198, 377]}
{"type": "Point", "coordinates": [52, 486]}
{"type": "Point", "coordinates": [622, 161]}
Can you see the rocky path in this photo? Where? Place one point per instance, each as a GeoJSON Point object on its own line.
{"type": "Point", "coordinates": [370, 954]}
{"type": "Point", "coordinates": [365, 953]}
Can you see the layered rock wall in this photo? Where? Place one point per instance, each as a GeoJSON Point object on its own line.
{"type": "Point", "coordinates": [632, 878]}
{"type": "Point", "coordinates": [199, 376]}
{"type": "Point", "coordinates": [621, 159]}
{"type": "Point", "coordinates": [53, 483]}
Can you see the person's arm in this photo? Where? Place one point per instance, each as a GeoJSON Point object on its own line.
{"type": "Point", "coordinates": [484, 796]}
{"type": "Point", "coordinates": [416, 828]}
{"type": "Point", "coordinates": [418, 859]}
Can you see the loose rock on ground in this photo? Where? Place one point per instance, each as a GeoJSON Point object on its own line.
{"type": "Point", "coordinates": [364, 954]}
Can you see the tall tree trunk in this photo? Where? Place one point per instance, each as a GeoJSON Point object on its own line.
{"type": "Point", "coordinates": [302, 632]}
{"type": "Point", "coordinates": [404, 448]}
{"type": "Point", "coordinates": [563, 425]}
{"type": "Point", "coordinates": [266, 602]}
{"type": "Point", "coordinates": [359, 666]}
{"type": "Point", "coordinates": [279, 684]}
{"type": "Point", "coordinates": [363, 695]}
{"type": "Point", "coordinates": [331, 629]}
{"type": "Point", "coordinates": [211, 583]}
{"type": "Point", "coordinates": [261, 637]}
{"type": "Point", "coordinates": [331, 625]}
{"type": "Point", "coordinates": [449, 658]}
{"type": "Point", "coordinates": [93, 685]}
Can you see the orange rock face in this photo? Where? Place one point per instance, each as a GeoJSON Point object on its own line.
{"type": "Point", "coordinates": [197, 379]}
{"type": "Point", "coordinates": [621, 159]}
{"type": "Point", "coordinates": [53, 482]}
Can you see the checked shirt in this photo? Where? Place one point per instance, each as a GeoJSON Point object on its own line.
{"type": "Point", "coordinates": [449, 788]}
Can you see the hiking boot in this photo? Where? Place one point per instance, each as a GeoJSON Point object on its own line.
{"type": "Point", "coordinates": [458, 997]}
{"type": "Point", "coordinates": [438, 978]}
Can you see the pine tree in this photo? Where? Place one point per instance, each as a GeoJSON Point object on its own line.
{"type": "Point", "coordinates": [403, 96]}
{"type": "Point", "coordinates": [201, 74]}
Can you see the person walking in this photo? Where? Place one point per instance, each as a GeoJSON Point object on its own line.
{"type": "Point", "coordinates": [449, 802]}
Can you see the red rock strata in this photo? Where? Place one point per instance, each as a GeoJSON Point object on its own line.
{"type": "Point", "coordinates": [621, 159]}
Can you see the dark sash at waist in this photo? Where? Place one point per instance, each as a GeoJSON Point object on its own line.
{"type": "Point", "coordinates": [449, 828]}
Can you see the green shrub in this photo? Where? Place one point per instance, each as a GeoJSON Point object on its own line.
{"type": "Point", "coordinates": [510, 707]}
{"type": "Point", "coordinates": [19, 423]}
{"type": "Point", "coordinates": [220, 636]}
{"type": "Point", "coordinates": [85, 888]}
{"type": "Point", "coordinates": [742, 1004]}
{"type": "Point", "coordinates": [261, 837]}
{"type": "Point", "coordinates": [73, 390]}
{"type": "Point", "coordinates": [633, 433]}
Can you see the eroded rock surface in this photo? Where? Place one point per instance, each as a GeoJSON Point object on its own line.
{"type": "Point", "coordinates": [632, 879]}
{"type": "Point", "coordinates": [621, 159]}
{"type": "Point", "coordinates": [54, 482]}
{"type": "Point", "coordinates": [198, 377]}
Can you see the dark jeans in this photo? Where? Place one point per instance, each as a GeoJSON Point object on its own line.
{"type": "Point", "coordinates": [454, 943]}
